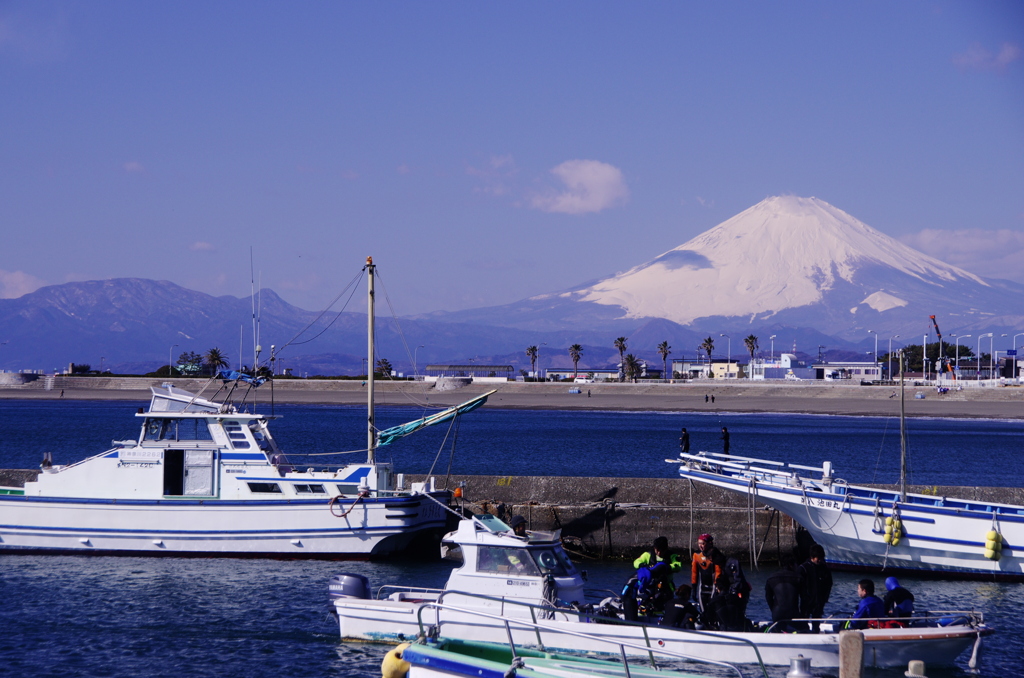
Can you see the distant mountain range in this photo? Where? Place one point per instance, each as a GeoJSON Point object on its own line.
{"type": "Point", "coordinates": [797, 268]}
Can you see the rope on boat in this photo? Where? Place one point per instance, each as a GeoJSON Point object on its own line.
{"type": "Point", "coordinates": [975, 660]}
{"type": "Point", "coordinates": [752, 521]}
{"type": "Point", "coordinates": [335, 498]}
{"type": "Point", "coordinates": [842, 507]}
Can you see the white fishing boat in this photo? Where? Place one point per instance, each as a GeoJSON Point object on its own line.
{"type": "Point", "coordinates": [871, 529]}
{"type": "Point", "coordinates": [535, 595]}
{"type": "Point", "coordinates": [206, 478]}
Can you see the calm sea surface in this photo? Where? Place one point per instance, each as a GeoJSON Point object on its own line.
{"type": "Point", "coordinates": [134, 617]}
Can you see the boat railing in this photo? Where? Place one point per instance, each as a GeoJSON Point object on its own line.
{"type": "Point", "coordinates": [389, 589]}
{"type": "Point", "coordinates": [621, 645]}
{"type": "Point", "coordinates": [752, 467]}
{"type": "Point", "coordinates": [930, 618]}
{"type": "Point", "coordinates": [585, 617]}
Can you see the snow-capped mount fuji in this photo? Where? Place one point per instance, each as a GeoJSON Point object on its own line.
{"type": "Point", "coordinates": [785, 262]}
{"type": "Point", "coordinates": [783, 253]}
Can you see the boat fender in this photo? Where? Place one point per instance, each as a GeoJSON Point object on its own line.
{"type": "Point", "coordinates": [993, 545]}
{"type": "Point", "coordinates": [394, 666]}
{"type": "Point", "coordinates": [893, 530]}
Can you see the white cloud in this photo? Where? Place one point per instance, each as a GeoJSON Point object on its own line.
{"type": "Point", "coordinates": [200, 246]}
{"type": "Point", "coordinates": [990, 254]}
{"type": "Point", "coordinates": [590, 186]}
{"type": "Point", "coordinates": [134, 167]}
{"type": "Point", "coordinates": [978, 58]}
{"type": "Point", "coordinates": [14, 284]}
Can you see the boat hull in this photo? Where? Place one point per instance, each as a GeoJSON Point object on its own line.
{"type": "Point", "coordinates": [943, 540]}
{"type": "Point", "coordinates": [375, 527]}
{"type": "Point", "coordinates": [389, 621]}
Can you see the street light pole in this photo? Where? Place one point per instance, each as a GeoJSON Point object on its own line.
{"type": "Point", "coordinates": [728, 358]}
{"type": "Point", "coordinates": [895, 336]}
{"type": "Point", "coordinates": [543, 343]}
{"type": "Point", "coordinates": [773, 347]}
{"type": "Point", "coordinates": [876, 343]}
{"type": "Point", "coordinates": [415, 369]}
{"type": "Point", "coordinates": [957, 359]}
{"type": "Point", "coordinates": [170, 352]}
{"type": "Point", "coordinates": [980, 337]}
{"type": "Point", "coordinates": [1015, 371]}
{"type": "Point", "coordinates": [991, 353]}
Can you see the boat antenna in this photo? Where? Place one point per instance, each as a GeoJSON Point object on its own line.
{"type": "Point", "coordinates": [903, 434]}
{"type": "Point", "coordinates": [371, 432]}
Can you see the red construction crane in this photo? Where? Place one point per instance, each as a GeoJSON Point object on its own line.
{"type": "Point", "coordinates": [944, 364]}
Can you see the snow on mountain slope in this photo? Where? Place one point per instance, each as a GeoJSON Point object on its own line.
{"type": "Point", "coordinates": [783, 253]}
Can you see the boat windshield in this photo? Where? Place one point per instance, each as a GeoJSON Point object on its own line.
{"type": "Point", "coordinates": [553, 561]}
{"type": "Point", "coordinates": [504, 560]}
{"type": "Point", "coordinates": [177, 429]}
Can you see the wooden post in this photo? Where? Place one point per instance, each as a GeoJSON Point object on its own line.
{"type": "Point", "coordinates": [851, 654]}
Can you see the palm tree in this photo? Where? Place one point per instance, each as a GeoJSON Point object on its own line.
{"type": "Point", "coordinates": [620, 344]}
{"type": "Point", "coordinates": [574, 352]}
{"type": "Point", "coordinates": [531, 352]}
{"type": "Point", "coordinates": [708, 345]}
{"type": "Point", "coordinates": [751, 343]}
{"type": "Point", "coordinates": [664, 350]}
{"type": "Point", "coordinates": [215, 359]}
{"type": "Point", "coordinates": [630, 367]}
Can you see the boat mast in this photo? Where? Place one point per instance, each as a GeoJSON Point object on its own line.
{"type": "Point", "coordinates": [371, 434]}
{"type": "Point", "coordinates": [903, 435]}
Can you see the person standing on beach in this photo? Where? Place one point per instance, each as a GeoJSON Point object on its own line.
{"type": "Point", "coordinates": [725, 440]}
{"type": "Point", "coordinates": [705, 398]}
{"type": "Point", "coordinates": [712, 398]}
{"type": "Point", "coordinates": [684, 442]}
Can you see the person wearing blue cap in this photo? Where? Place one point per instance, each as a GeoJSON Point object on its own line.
{"type": "Point", "coordinates": [899, 602]}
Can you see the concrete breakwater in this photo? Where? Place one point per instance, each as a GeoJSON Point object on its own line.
{"type": "Point", "coordinates": [604, 518]}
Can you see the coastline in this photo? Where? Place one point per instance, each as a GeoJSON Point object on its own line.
{"type": "Point", "coordinates": [753, 397]}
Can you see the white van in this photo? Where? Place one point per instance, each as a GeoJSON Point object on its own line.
{"type": "Point", "coordinates": [582, 380]}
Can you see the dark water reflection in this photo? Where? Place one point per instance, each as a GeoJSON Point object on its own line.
{"type": "Point", "coordinates": [156, 618]}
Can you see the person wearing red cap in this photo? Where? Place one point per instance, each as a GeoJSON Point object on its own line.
{"type": "Point", "coordinates": [706, 569]}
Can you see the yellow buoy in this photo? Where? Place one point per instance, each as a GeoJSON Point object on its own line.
{"type": "Point", "coordinates": [393, 665]}
{"type": "Point", "coordinates": [992, 535]}
{"type": "Point", "coordinates": [895, 541]}
{"type": "Point", "coordinates": [991, 555]}
{"type": "Point", "coordinates": [888, 520]}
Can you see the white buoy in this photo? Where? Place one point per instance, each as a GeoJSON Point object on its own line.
{"type": "Point", "coordinates": [799, 667]}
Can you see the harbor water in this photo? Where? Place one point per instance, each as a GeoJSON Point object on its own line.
{"type": "Point", "coordinates": [138, 617]}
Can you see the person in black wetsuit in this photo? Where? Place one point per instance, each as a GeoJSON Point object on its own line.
{"type": "Point", "coordinates": [725, 440]}
{"type": "Point", "coordinates": [680, 612]}
{"type": "Point", "coordinates": [815, 585]}
{"type": "Point", "coordinates": [782, 591]}
{"type": "Point", "coordinates": [898, 601]}
{"type": "Point", "coordinates": [684, 442]}
{"type": "Point", "coordinates": [706, 568]}
{"type": "Point", "coordinates": [727, 610]}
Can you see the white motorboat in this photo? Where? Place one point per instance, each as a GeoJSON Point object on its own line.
{"type": "Point", "coordinates": [866, 528]}
{"type": "Point", "coordinates": [532, 580]}
{"type": "Point", "coordinates": [204, 478]}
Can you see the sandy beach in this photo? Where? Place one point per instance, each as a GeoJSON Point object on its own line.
{"type": "Point", "coordinates": [805, 398]}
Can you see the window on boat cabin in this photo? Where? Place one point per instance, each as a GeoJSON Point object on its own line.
{"type": "Point", "coordinates": [265, 488]}
{"type": "Point", "coordinates": [309, 489]}
{"type": "Point", "coordinates": [348, 489]}
{"type": "Point", "coordinates": [236, 434]}
{"type": "Point", "coordinates": [177, 430]}
{"type": "Point", "coordinates": [503, 560]}
{"type": "Point", "coordinates": [553, 561]}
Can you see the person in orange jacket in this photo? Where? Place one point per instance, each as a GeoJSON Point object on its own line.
{"type": "Point", "coordinates": [706, 570]}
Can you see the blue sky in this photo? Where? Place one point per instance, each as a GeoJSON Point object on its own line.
{"type": "Point", "coordinates": [484, 152]}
